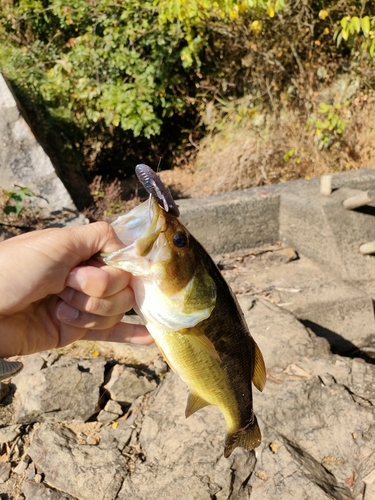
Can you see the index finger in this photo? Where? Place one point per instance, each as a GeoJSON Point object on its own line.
{"type": "Point", "coordinates": [97, 279]}
{"type": "Point", "coordinates": [122, 332]}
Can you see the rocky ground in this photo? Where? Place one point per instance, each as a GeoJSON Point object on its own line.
{"type": "Point", "coordinates": [105, 422]}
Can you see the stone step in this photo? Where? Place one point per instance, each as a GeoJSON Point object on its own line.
{"type": "Point", "coordinates": [319, 227]}
{"type": "Point", "coordinates": [340, 311]}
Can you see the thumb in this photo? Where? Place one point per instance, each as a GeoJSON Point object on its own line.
{"type": "Point", "coordinates": [86, 241]}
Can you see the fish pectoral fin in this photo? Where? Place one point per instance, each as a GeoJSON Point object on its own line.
{"type": "Point", "coordinates": [260, 374]}
{"type": "Point", "coordinates": [200, 340]}
{"type": "Point", "coordinates": [248, 438]}
{"type": "Point", "coordinates": [194, 403]}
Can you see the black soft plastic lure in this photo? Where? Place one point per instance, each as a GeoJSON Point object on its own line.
{"type": "Point", "coordinates": [154, 186]}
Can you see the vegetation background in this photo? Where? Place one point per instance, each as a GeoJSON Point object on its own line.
{"type": "Point", "coordinates": [230, 93]}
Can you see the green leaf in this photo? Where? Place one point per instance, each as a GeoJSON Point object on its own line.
{"type": "Point", "coordinates": [345, 34]}
{"type": "Point", "coordinates": [324, 108]}
{"type": "Point", "coordinates": [344, 22]}
{"type": "Point", "coordinates": [19, 209]}
{"type": "Point", "coordinates": [356, 23]}
{"type": "Point", "coordinates": [372, 48]}
{"type": "Point", "coordinates": [339, 38]}
{"type": "Point", "coordinates": [10, 209]}
{"type": "Point", "coordinates": [365, 25]}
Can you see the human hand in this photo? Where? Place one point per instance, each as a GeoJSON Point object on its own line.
{"type": "Point", "coordinates": [52, 292]}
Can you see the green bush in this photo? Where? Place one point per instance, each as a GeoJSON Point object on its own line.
{"type": "Point", "coordinates": [111, 82]}
{"type": "Point", "coordinates": [127, 64]}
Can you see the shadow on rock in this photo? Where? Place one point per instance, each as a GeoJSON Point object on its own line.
{"type": "Point", "coordinates": [339, 345]}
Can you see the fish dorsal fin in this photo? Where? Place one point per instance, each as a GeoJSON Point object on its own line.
{"type": "Point", "coordinates": [200, 340]}
{"type": "Point", "coordinates": [194, 403]}
{"type": "Point", "coordinates": [260, 374]}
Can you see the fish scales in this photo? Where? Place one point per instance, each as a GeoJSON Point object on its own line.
{"type": "Point", "coordinates": [193, 316]}
{"type": "Point", "coordinates": [228, 331]}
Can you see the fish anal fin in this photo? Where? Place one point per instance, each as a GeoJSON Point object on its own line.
{"type": "Point", "coordinates": [260, 374]}
{"type": "Point", "coordinates": [248, 439]}
{"type": "Point", "coordinates": [194, 403]}
{"type": "Point", "coordinates": [200, 340]}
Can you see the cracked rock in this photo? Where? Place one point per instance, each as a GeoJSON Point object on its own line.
{"type": "Point", "coordinates": [33, 491]}
{"type": "Point", "coordinates": [84, 472]}
{"type": "Point", "coordinates": [4, 471]}
{"type": "Point", "coordinates": [111, 411]}
{"type": "Point", "coordinates": [67, 390]}
{"type": "Point", "coordinates": [9, 433]}
{"type": "Point", "coordinates": [184, 457]}
{"type": "Point", "coordinates": [326, 434]}
{"type": "Point", "coordinates": [127, 384]}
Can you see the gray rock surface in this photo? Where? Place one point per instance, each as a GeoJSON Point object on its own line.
{"type": "Point", "coordinates": [5, 469]}
{"type": "Point", "coordinates": [9, 433]}
{"type": "Point", "coordinates": [126, 384]}
{"type": "Point", "coordinates": [32, 491]}
{"type": "Point", "coordinates": [111, 411]}
{"type": "Point", "coordinates": [321, 429]}
{"type": "Point", "coordinates": [75, 393]}
{"type": "Point", "coordinates": [339, 311]}
{"type": "Point", "coordinates": [87, 472]}
{"type": "Point", "coordinates": [23, 161]}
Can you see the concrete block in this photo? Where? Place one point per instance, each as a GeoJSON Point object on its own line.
{"type": "Point", "coordinates": [319, 227]}
{"type": "Point", "coordinates": [250, 218]}
{"type": "Point", "coordinates": [231, 221]}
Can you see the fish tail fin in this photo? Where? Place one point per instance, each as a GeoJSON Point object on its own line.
{"type": "Point", "coordinates": [248, 438]}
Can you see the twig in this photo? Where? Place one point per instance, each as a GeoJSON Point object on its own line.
{"type": "Point", "coordinates": [298, 60]}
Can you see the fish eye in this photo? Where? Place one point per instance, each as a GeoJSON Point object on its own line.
{"type": "Point", "coordinates": [180, 240]}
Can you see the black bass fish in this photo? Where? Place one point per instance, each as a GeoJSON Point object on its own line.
{"type": "Point", "coordinates": [191, 312]}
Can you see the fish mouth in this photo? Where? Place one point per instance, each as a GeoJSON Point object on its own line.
{"type": "Point", "coordinates": [141, 231]}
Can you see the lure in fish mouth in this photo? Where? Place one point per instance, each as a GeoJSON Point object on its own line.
{"type": "Point", "coordinates": [191, 312]}
{"type": "Point", "coordinates": [155, 187]}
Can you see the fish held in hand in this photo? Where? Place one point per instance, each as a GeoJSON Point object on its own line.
{"type": "Point", "coordinates": [192, 314]}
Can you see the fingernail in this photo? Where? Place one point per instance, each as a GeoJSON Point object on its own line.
{"type": "Point", "coordinates": [65, 312]}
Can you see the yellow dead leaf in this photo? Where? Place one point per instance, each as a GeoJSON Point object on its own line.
{"type": "Point", "coordinates": [274, 446]}
{"type": "Point", "coordinates": [271, 11]}
{"type": "Point", "coordinates": [323, 14]}
{"type": "Point", "coordinates": [256, 27]}
{"type": "Point", "coordinates": [262, 475]}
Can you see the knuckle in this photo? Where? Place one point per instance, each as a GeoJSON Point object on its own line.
{"type": "Point", "coordinates": [91, 305]}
